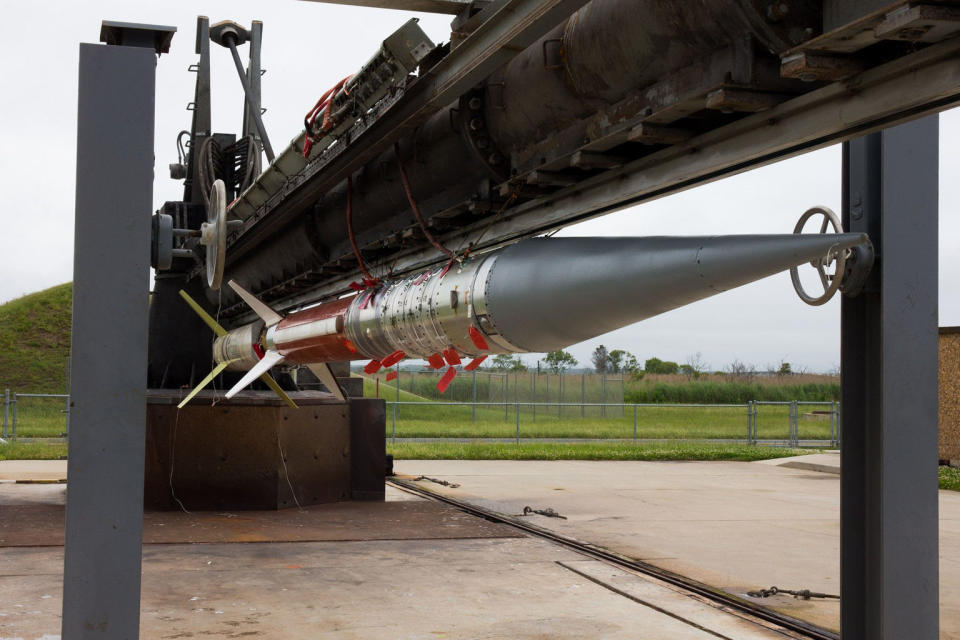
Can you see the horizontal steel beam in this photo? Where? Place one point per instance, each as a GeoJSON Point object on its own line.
{"type": "Point", "coordinates": [424, 6]}
{"type": "Point", "coordinates": [915, 85]}
{"type": "Point", "coordinates": [513, 26]}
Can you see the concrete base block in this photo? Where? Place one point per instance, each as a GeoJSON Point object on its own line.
{"type": "Point", "coordinates": [254, 452]}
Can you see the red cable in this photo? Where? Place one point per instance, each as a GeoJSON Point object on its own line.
{"type": "Point", "coordinates": [323, 103]}
{"type": "Point", "coordinates": [416, 209]}
{"type": "Point", "coordinates": [353, 240]}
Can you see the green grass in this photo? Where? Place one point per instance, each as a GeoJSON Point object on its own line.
{"type": "Point", "coordinates": [40, 418]}
{"type": "Point", "coordinates": [652, 422]}
{"type": "Point", "coordinates": [32, 451]}
{"type": "Point", "coordinates": [950, 478]}
{"type": "Point", "coordinates": [35, 340]}
{"type": "Point", "coordinates": [601, 451]}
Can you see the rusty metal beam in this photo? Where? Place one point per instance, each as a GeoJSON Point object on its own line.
{"type": "Point", "coordinates": [512, 27]}
{"type": "Point", "coordinates": [921, 83]}
{"type": "Point", "coordinates": [425, 6]}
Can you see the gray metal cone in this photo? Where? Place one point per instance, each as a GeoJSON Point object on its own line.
{"type": "Point", "coordinates": [548, 293]}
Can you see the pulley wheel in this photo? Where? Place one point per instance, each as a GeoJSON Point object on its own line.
{"type": "Point", "coordinates": [214, 234]}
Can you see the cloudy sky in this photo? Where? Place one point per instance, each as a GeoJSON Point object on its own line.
{"type": "Point", "coordinates": [308, 47]}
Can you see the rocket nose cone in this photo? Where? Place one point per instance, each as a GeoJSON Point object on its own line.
{"type": "Point", "coordinates": [548, 293]}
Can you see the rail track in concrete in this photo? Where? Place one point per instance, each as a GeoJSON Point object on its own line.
{"type": "Point", "coordinates": [799, 628]}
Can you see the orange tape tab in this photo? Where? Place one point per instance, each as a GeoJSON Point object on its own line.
{"type": "Point", "coordinates": [478, 340]}
{"type": "Point", "coordinates": [393, 358]}
{"type": "Point", "coordinates": [474, 363]}
{"type": "Point", "coordinates": [436, 361]}
{"type": "Point", "coordinates": [453, 358]}
{"type": "Point", "coordinates": [446, 379]}
{"type": "Point", "coordinates": [391, 376]}
{"type": "Point", "coordinates": [372, 367]}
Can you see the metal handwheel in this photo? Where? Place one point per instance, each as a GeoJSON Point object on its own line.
{"type": "Point", "coordinates": [835, 258]}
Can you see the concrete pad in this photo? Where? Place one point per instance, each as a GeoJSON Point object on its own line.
{"type": "Point", "coordinates": [491, 588]}
{"type": "Point", "coordinates": [738, 526]}
{"type": "Point", "coordinates": [33, 470]}
{"type": "Point", "coordinates": [822, 462]}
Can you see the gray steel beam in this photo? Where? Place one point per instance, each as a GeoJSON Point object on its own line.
{"type": "Point", "coordinates": [425, 6]}
{"type": "Point", "coordinates": [104, 520]}
{"type": "Point", "coordinates": [889, 535]}
{"type": "Point", "coordinates": [510, 29]}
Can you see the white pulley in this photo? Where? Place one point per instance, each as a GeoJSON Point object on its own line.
{"type": "Point", "coordinates": [830, 267]}
{"type": "Point", "coordinates": [213, 234]}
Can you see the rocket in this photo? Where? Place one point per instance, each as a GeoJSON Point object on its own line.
{"type": "Point", "coordinates": [537, 295]}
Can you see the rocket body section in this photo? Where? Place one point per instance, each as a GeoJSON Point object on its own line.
{"type": "Point", "coordinates": [538, 295]}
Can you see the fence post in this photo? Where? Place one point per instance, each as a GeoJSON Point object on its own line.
{"type": "Point", "coordinates": [623, 393]}
{"type": "Point", "coordinates": [536, 375]}
{"type": "Point", "coordinates": [393, 429]}
{"type": "Point", "coordinates": [794, 420]}
{"type": "Point", "coordinates": [583, 395]}
{"type": "Point", "coordinates": [603, 387]}
{"type": "Point", "coordinates": [6, 411]}
{"type": "Point", "coordinates": [506, 396]}
{"type": "Point", "coordinates": [560, 397]}
{"type": "Point", "coordinates": [516, 409]}
{"type": "Point", "coordinates": [474, 395]}
{"type": "Point", "coordinates": [13, 434]}
{"type": "Point", "coordinates": [634, 423]}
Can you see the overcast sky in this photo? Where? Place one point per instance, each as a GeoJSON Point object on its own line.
{"type": "Point", "coordinates": [309, 46]}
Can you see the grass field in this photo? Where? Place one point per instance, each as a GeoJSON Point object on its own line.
{"type": "Point", "coordinates": [600, 451]}
{"type": "Point", "coordinates": [457, 421]}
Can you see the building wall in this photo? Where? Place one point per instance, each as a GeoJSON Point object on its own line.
{"type": "Point", "coordinates": [950, 394]}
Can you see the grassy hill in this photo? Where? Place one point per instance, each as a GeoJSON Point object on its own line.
{"type": "Point", "coordinates": [35, 340]}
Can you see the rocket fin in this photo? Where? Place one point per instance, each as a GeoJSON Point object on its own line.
{"type": "Point", "coordinates": [269, 359]}
{"type": "Point", "coordinates": [268, 315]}
{"type": "Point", "coordinates": [325, 375]}
{"type": "Point", "coordinates": [217, 370]}
{"type": "Point", "coordinates": [207, 319]}
{"type": "Point", "coordinates": [270, 382]}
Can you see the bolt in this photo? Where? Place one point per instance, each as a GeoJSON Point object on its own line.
{"type": "Point", "coordinates": [476, 124]}
{"type": "Point", "coordinates": [475, 103]}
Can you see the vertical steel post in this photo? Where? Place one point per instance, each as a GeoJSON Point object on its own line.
{"type": "Point", "coordinates": [623, 393]}
{"type": "Point", "coordinates": [13, 434]}
{"type": "Point", "coordinates": [634, 424]}
{"type": "Point", "coordinates": [474, 395]}
{"type": "Point", "coordinates": [749, 421]}
{"type": "Point", "coordinates": [114, 199]}
{"type": "Point", "coordinates": [6, 411]}
{"type": "Point", "coordinates": [888, 506]}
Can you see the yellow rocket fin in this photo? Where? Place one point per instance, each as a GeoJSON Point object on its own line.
{"type": "Point", "coordinates": [210, 322]}
{"type": "Point", "coordinates": [203, 383]}
{"type": "Point", "coordinates": [270, 382]}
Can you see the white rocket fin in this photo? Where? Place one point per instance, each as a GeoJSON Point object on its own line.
{"type": "Point", "coordinates": [325, 375]}
{"type": "Point", "coordinates": [269, 359]}
{"type": "Point", "coordinates": [268, 315]}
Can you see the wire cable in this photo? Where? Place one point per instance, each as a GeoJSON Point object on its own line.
{"type": "Point", "coordinates": [353, 240]}
{"type": "Point", "coordinates": [416, 210]}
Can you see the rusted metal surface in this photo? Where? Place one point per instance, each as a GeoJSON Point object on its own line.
{"type": "Point", "coordinates": [368, 459]}
{"type": "Point", "coordinates": [248, 454]}
{"type": "Point", "coordinates": [42, 525]}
